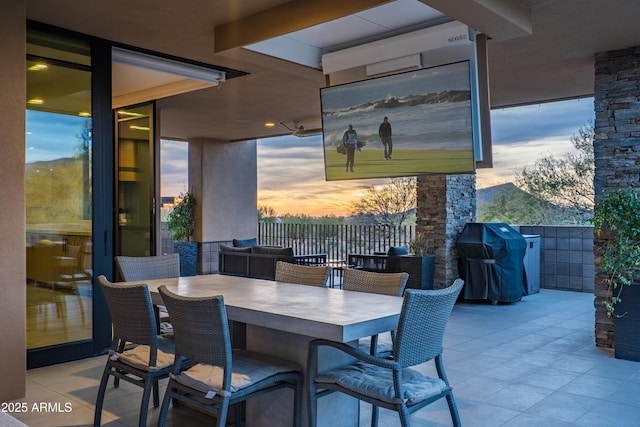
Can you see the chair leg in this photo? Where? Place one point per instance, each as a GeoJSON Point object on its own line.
{"type": "Point", "coordinates": [453, 409]}
{"type": "Point", "coordinates": [222, 416]}
{"type": "Point", "coordinates": [156, 394]}
{"type": "Point", "coordinates": [375, 412]}
{"type": "Point", "coordinates": [144, 405]}
{"type": "Point", "coordinates": [404, 416]}
{"type": "Point", "coordinates": [164, 410]}
{"type": "Point", "coordinates": [97, 415]}
{"type": "Point", "coordinates": [313, 404]}
{"type": "Point", "coordinates": [297, 404]}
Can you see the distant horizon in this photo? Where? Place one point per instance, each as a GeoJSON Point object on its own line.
{"type": "Point", "coordinates": [291, 176]}
{"type": "Point", "coordinates": [291, 169]}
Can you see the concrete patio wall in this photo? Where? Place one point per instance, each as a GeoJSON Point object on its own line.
{"type": "Point", "coordinates": [566, 256]}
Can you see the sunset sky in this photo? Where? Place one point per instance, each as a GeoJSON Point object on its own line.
{"type": "Point", "coordinates": [291, 169]}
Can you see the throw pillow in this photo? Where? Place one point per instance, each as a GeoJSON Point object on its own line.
{"type": "Point", "coordinates": [398, 250]}
{"type": "Point", "coordinates": [246, 243]}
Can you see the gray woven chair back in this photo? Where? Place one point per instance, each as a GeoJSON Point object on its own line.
{"type": "Point", "coordinates": [375, 283]}
{"type": "Point", "coordinates": [200, 327]}
{"type": "Point", "coordinates": [149, 267]}
{"type": "Point", "coordinates": [422, 324]}
{"type": "Point", "coordinates": [131, 312]}
{"type": "Point", "coordinates": [302, 274]}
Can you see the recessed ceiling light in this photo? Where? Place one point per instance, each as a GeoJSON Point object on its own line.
{"type": "Point", "coordinates": [269, 124]}
{"type": "Point", "coordinates": [35, 101]}
{"type": "Point", "coordinates": [38, 67]}
{"type": "Point", "coordinates": [129, 113]}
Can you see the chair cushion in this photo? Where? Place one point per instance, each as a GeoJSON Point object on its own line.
{"type": "Point", "coordinates": [248, 369]}
{"type": "Point", "coordinates": [138, 357]}
{"type": "Point", "coordinates": [398, 250]}
{"type": "Point", "coordinates": [377, 382]}
{"type": "Point", "coordinates": [265, 250]}
{"type": "Point", "coordinates": [385, 345]}
{"type": "Point", "coordinates": [246, 243]}
{"type": "Point", "coordinates": [225, 248]}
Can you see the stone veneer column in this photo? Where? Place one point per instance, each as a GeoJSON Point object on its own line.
{"type": "Point", "coordinates": [445, 205]}
{"type": "Point", "coordinates": [616, 148]}
{"type": "Point", "coordinates": [12, 226]}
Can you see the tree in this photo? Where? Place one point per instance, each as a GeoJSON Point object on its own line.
{"type": "Point", "coordinates": [512, 205]}
{"type": "Point", "coordinates": [266, 213]}
{"type": "Point", "coordinates": [390, 204]}
{"type": "Point", "coordinates": [566, 182]}
{"type": "Point", "coordinates": [181, 220]}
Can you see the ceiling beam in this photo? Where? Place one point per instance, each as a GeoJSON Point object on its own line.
{"type": "Point", "coordinates": [285, 18]}
{"type": "Point", "coordinates": [498, 19]}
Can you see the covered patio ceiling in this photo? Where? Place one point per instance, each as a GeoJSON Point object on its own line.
{"type": "Point", "coordinates": [539, 50]}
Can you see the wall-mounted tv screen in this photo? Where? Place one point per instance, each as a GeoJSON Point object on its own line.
{"type": "Point", "coordinates": [406, 124]}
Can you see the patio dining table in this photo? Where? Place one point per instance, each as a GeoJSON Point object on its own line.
{"type": "Point", "coordinates": [280, 319]}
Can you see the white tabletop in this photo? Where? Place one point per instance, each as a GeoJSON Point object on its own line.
{"type": "Point", "coordinates": [312, 311]}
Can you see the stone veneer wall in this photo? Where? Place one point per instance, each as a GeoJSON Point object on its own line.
{"type": "Point", "coordinates": [445, 204]}
{"type": "Point", "coordinates": [616, 147]}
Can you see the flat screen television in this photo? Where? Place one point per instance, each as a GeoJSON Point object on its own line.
{"type": "Point", "coordinates": [430, 115]}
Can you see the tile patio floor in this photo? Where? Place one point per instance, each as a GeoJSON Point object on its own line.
{"type": "Point", "coordinates": [532, 363]}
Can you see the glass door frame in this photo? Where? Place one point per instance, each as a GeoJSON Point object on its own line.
{"type": "Point", "coordinates": [103, 211]}
{"type": "Point", "coordinates": [104, 200]}
{"type": "Point", "coordinates": [151, 152]}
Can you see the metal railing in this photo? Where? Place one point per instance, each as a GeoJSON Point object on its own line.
{"type": "Point", "coordinates": [334, 240]}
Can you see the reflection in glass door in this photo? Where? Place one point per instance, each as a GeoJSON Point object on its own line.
{"type": "Point", "coordinates": [58, 192]}
{"type": "Point", "coordinates": [135, 180]}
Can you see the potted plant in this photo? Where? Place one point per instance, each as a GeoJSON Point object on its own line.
{"type": "Point", "coordinates": [181, 224]}
{"type": "Point", "coordinates": [617, 222]}
{"type": "Point", "coordinates": [420, 264]}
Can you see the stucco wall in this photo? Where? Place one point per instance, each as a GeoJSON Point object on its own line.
{"type": "Point", "coordinates": [12, 223]}
{"type": "Point", "coordinates": [223, 176]}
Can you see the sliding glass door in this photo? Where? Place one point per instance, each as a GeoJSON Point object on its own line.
{"type": "Point", "coordinates": [135, 180]}
{"type": "Point", "coordinates": [59, 240]}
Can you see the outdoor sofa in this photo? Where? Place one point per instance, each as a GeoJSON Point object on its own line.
{"type": "Point", "coordinates": [248, 259]}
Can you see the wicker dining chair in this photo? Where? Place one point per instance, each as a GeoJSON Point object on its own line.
{"type": "Point", "coordinates": [392, 383]}
{"type": "Point", "coordinates": [376, 283]}
{"type": "Point", "coordinates": [302, 274]}
{"type": "Point", "coordinates": [134, 268]}
{"type": "Point", "coordinates": [137, 354]}
{"type": "Point", "coordinates": [148, 267]}
{"type": "Point", "coordinates": [221, 376]}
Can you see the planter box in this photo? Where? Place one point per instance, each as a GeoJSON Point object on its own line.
{"type": "Point", "coordinates": [627, 327]}
{"type": "Point", "coordinates": [421, 270]}
{"type": "Point", "coordinates": [188, 252]}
